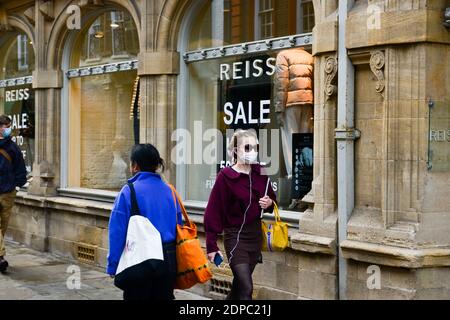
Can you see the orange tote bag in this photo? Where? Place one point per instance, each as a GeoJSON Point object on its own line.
{"type": "Point", "coordinates": [192, 263]}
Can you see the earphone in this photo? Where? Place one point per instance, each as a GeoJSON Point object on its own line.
{"type": "Point", "coordinates": [245, 216]}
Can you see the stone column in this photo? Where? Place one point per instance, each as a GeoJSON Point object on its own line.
{"type": "Point", "coordinates": [400, 226]}
{"type": "Point", "coordinates": [158, 69]}
{"type": "Point", "coordinates": [47, 84]}
{"type": "Point", "coordinates": [317, 236]}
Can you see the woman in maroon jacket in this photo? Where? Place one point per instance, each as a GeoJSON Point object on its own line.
{"type": "Point", "coordinates": [235, 208]}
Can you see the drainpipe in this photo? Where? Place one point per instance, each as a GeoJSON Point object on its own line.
{"type": "Point", "coordinates": [345, 136]}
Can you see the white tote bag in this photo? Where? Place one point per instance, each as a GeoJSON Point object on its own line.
{"type": "Point", "coordinates": [143, 243]}
{"type": "Point", "coordinates": [142, 256]}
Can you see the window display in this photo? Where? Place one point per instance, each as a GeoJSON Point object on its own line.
{"type": "Point", "coordinates": [102, 117]}
{"type": "Point", "coordinates": [16, 93]}
{"type": "Point", "coordinates": [271, 93]}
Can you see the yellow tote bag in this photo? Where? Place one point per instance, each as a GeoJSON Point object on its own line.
{"type": "Point", "coordinates": [275, 233]}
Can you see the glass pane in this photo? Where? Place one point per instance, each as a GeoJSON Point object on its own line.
{"type": "Point", "coordinates": [111, 37]}
{"type": "Point", "coordinates": [439, 134]}
{"type": "Point", "coordinates": [225, 22]}
{"type": "Point", "coordinates": [16, 57]}
{"type": "Point", "coordinates": [101, 130]}
{"type": "Point", "coordinates": [102, 110]}
{"type": "Point", "coordinates": [17, 60]}
{"type": "Point", "coordinates": [18, 103]}
{"type": "Point", "coordinates": [243, 92]}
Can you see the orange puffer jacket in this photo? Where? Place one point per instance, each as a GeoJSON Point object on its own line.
{"type": "Point", "coordinates": [293, 78]}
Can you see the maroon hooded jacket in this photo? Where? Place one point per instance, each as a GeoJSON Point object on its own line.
{"type": "Point", "coordinates": [230, 197]}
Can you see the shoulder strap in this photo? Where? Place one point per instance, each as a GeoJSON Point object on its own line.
{"type": "Point", "coordinates": [176, 197]}
{"type": "Point", "coordinates": [6, 155]}
{"type": "Point", "coordinates": [134, 205]}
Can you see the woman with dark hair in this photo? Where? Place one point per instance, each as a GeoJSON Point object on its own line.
{"type": "Point", "coordinates": [239, 196]}
{"type": "Point", "coordinates": [156, 202]}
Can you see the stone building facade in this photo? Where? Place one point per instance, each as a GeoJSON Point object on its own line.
{"type": "Point", "coordinates": [83, 126]}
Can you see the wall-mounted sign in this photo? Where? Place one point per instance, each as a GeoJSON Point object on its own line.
{"type": "Point", "coordinates": [439, 137]}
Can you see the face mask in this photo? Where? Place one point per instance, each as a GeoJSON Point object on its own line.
{"type": "Point", "coordinates": [249, 157]}
{"type": "Point", "coordinates": [7, 132]}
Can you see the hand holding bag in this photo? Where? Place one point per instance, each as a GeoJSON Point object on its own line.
{"type": "Point", "coordinates": [142, 258]}
{"type": "Point", "coordinates": [192, 263]}
{"type": "Point", "coordinates": [275, 233]}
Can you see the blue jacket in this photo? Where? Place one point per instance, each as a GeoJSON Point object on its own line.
{"type": "Point", "coordinates": [155, 202]}
{"type": "Point", "coordinates": [13, 174]}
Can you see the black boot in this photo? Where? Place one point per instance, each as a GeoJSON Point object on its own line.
{"type": "Point", "coordinates": [3, 265]}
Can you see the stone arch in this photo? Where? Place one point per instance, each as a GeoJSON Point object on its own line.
{"type": "Point", "coordinates": [169, 24]}
{"type": "Point", "coordinates": [20, 24]}
{"type": "Point", "coordinates": [59, 33]}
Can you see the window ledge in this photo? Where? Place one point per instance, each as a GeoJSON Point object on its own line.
{"type": "Point", "coordinates": [89, 194]}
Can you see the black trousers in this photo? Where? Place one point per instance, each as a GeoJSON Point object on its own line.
{"type": "Point", "coordinates": [160, 288]}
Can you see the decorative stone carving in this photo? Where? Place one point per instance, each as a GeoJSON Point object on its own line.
{"type": "Point", "coordinates": [331, 67]}
{"type": "Point", "coordinates": [46, 9]}
{"type": "Point", "coordinates": [4, 25]}
{"type": "Point", "coordinates": [377, 62]}
{"type": "Point", "coordinates": [30, 14]}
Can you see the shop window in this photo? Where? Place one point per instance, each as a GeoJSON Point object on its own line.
{"type": "Point", "coordinates": [226, 22]}
{"type": "Point", "coordinates": [102, 113]}
{"type": "Point", "coordinates": [269, 91]}
{"type": "Point", "coordinates": [16, 93]}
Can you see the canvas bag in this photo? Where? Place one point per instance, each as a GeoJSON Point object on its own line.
{"type": "Point", "coordinates": [275, 233]}
{"type": "Point", "coordinates": [192, 263]}
{"type": "Point", "coordinates": [142, 258]}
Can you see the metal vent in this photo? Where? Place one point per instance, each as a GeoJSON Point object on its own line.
{"type": "Point", "coordinates": [220, 286]}
{"type": "Point", "coordinates": [86, 253]}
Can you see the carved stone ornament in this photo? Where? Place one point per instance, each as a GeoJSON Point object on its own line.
{"type": "Point", "coordinates": [377, 62]}
{"type": "Point", "coordinates": [4, 25]}
{"type": "Point", "coordinates": [331, 67]}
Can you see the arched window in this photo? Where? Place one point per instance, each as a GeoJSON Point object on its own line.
{"type": "Point", "coordinates": [248, 65]}
{"type": "Point", "coordinates": [16, 93]}
{"type": "Point", "coordinates": [101, 116]}
{"type": "Point", "coordinates": [225, 22]}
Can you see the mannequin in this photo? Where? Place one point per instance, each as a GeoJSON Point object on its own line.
{"type": "Point", "coordinates": [293, 97]}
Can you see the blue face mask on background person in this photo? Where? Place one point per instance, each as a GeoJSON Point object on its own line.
{"type": "Point", "coordinates": [7, 132]}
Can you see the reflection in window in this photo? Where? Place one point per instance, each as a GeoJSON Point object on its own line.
{"type": "Point", "coordinates": [16, 57]}
{"type": "Point", "coordinates": [225, 22]}
{"type": "Point", "coordinates": [17, 60]}
{"type": "Point", "coordinates": [22, 53]}
{"type": "Point", "coordinates": [101, 117]}
{"type": "Point", "coordinates": [111, 37]}
{"type": "Point", "coordinates": [308, 16]}
{"type": "Point", "coordinates": [266, 18]}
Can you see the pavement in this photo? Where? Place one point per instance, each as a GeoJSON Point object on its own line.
{"type": "Point", "coordinates": [35, 275]}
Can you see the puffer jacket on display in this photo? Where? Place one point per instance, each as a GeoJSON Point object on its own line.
{"type": "Point", "coordinates": [293, 78]}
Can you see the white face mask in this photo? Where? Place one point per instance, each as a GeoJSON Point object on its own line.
{"type": "Point", "coordinates": [249, 157]}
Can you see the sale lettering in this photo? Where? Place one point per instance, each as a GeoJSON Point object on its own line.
{"type": "Point", "coordinates": [243, 117]}
{"type": "Point", "coordinates": [19, 121]}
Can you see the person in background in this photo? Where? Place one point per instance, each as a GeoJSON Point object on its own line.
{"type": "Point", "coordinates": [234, 207]}
{"type": "Point", "coordinates": [12, 174]}
{"type": "Point", "coordinates": [156, 202]}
